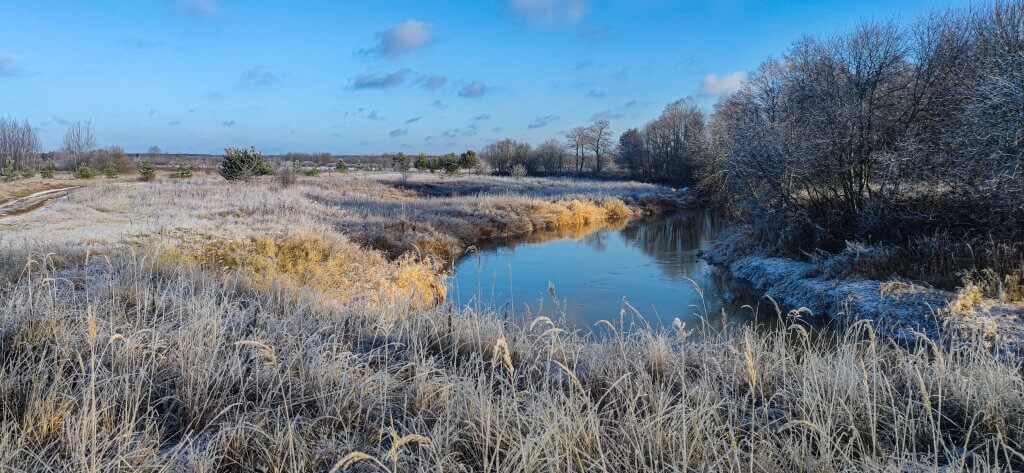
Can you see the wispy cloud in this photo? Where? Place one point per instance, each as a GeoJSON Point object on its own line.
{"type": "Point", "coordinates": [473, 89]}
{"type": "Point", "coordinates": [402, 39]}
{"type": "Point", "coordinates": [606, 115]}
{"type": "Point", "coordinates": [596, 94]}
{"type": "Point", "coordinates": [380, 81]}
{"type": "Point", "coordinates": [9, 66]}
{"type": "Point", "coordinates": [398, 132]}
{"type": "Point", "coordinates": [551, 12]}
{"type": "Point", "coordinates": [481, 117]}
{"type": "Point", "coordinates": [714, 85]}
{"type": "Point", "coordinates": [433, 81]}
{"type": "Point", "coordinates": [61, 121]}
{"type": "Point", "coordinates": [227, 123]}
{"type": "Point", "coordinates": [258, 76]}
{"type": "Point", "coordinates": [373, 115]}
{"type": "Point", "coordinates": [199, 8]}
{"type": "Point", "coordinates": [134, 43]}
{"type": "Point", "coordinates": [174, 123]}
{"type": "Point", "coordinates": [413, 120]}
{"type": "Point", "coordinates": [583, 65]}
{"type": "Point", "coordinates": [541, 122]}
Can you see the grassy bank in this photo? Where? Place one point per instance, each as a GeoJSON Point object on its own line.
{"type": "Point", "coordinates": [354, 236]}
{"type": "Point", "coordinates": [133, 363]}
{"type": "Point", "coordinates": [302, 334]}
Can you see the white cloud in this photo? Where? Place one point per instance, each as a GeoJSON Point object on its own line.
{"type": "Point", "coordinates": [551, 12]}
{"type": "Point", "coordinates": [398, 132]}
{"type": "Point", "coordinates": [200, 8]}
{"type": "Point", "coordinates": [473, 89]}
{"type": "Point", "coordinates": [727, 84]}
{"type": "Point", "coordinates": [403, 38]}
{"type": "Point", "coordinates": [9, 67]}
{"type": "Point", "coordinates": [258, 76]}
{"type": "Point", "coordinates": [433, 81]}
{"type": "Point", "coordinates": [380, 81]}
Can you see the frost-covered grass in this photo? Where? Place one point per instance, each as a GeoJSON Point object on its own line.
{"type": "Point", "coordinates": [133, 363]}
{"type": "Point", "coordinates": [206, 326]}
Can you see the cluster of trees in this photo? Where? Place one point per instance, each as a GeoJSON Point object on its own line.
{"type": "Point", "coordinates": [19, 148]}
{"type": "Point", "coordinates": [881, 133]}
{"type": "Point", "coordinates": [587, 149]}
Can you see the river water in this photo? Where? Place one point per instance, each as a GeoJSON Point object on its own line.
{"type": "Point", "coordinates": [642, 273]}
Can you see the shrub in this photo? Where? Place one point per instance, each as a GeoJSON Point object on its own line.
{"type": "Point", "coordinates": [183, 171]}
{"type": "Point", "coordinates": [469, 160]}
{"type": "Point", "coordinates": [286, 175]}
{"type": "Point", "coordinates": [8, 173]}
{"type": "Point", "coordinates": [28, 172]}
{"type": "Point", "coordinates": [241, 164]}
{"type": "Point", "coordinates": [341, 167]}
{"type": "Point", "coordinates": [518, 171]}
{"type": "Point", "coordinates": [147, 171]}
{"type": "Point", "coordinates": [48, 169]}
{"type": "Point", "coordinates": [85, 171]}
{"type": "Point", "coordinates": [309, 172]}
{"type": "Point", "coordinates": [110, 170]}
{"type": "Point", "coordinates": [450, 164]}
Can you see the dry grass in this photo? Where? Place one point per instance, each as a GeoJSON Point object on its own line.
{"type": "Point", "coordinates": [132, 363]}
{"type": "Point", "coordinates": [296, 337]}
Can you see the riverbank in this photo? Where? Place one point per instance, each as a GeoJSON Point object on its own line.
{"type": "Point", "coordinates": [312, 351]}
{"type": "Point", "coordinates": [353, 236]}
{"type": "Point", "coordinates": [900, 308]}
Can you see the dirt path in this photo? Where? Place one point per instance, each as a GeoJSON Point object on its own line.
{"type": "Point", "coordinates": [33, 202]}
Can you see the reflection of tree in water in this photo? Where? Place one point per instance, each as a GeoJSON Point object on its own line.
{"type": "Point", "coordinates": [598, 241]}
{"type": "Point", "coordinates": [673, 243]}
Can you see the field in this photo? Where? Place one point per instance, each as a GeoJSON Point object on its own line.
{"type": "Point", "coordinates": [205, 325]}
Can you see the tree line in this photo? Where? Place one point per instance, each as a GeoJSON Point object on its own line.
{"type": "Point", "coordinates": [884, 134]}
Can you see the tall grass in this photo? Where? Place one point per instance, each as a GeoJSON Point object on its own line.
{"type": "Point", "coordinates": [210, 327]}
{"type": "Point", "coordinates": [128, 362]}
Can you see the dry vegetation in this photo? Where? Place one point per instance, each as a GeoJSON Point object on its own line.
{"type": "Point", "coordinates": [301, 339]}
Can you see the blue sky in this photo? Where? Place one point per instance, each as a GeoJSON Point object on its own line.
{"type": "Point", "coordinates": [354, 77]}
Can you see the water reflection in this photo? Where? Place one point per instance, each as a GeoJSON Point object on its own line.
{"type": "Point", "coordinates": [650, 268]}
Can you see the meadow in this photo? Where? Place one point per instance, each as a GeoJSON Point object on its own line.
{"type": "Point", "coordinates": [207, 325]}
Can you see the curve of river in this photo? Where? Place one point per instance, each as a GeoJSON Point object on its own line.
{"type": "Point", "coordinates": [644, 272]}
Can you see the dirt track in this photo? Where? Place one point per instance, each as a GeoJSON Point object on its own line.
{"type": "Point", "coordinates": [32, 202]}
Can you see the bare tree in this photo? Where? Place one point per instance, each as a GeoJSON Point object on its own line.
{"type": "Point", "coordinates": [79, 141]}
{"type": "Point", "coordinates": [504, 155]}
{"type": "Point", "coordinates": [599, 140]}
{"type": "Point", "coordinates": [154, 151]}
{"type": "Point", "coordinates": [549, 157]}
{"type": "Point", "coordinates": [19, 145]}
{"type": "Point", "coordinates": [577, 141]}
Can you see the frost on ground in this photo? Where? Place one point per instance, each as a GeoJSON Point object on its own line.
{"type": "Point", "coordinates": [899, 308]}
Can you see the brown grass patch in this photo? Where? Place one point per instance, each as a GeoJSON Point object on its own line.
{"type": "Point", "coordinates": [338, 269]}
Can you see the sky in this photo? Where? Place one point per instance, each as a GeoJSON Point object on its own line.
{"type": "Point", "coordinates": [376, 76]}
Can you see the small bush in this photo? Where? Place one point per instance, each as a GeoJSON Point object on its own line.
{"type": "Point", "coordinates": [28, 172]}
{"type": "Point", "coordinates": [110, 170]}
{"type": "Point", "coordinates": [8, 173]}
{"type": "Point", "coordinates": [286, 176]}
{"type": "Point", "coordinates": [147, 171]}
{"type": "Point", "coordinates": [341, 166]}
{"type": "Point", "coordinates": [48, 170]}
{"type": "Point", "coordinates": [469, 160]}
{"type": "Point", "coordinates": [309, 172]}
{"type": "Point", "coordinates": [518, 171]}
{"type": "Point", "coordinates": [183, 171]}
{"type": "Point", "coordinates": [241, 164]}
{"type": "Point", "coordinates": [85, 171]}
